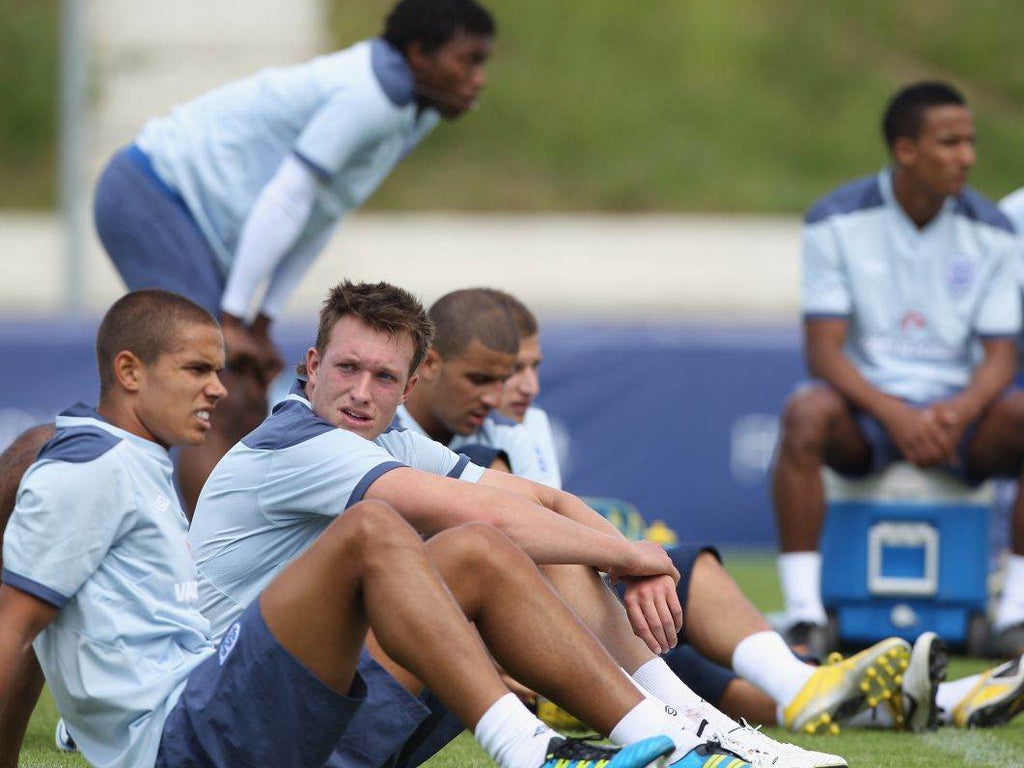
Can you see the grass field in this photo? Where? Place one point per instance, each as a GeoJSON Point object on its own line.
{"type": "Point", "coordinates": [994, 748]}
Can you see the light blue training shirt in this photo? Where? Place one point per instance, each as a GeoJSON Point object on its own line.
{"type": "Point", "coordinates": [277, 490]}
{"type": "Point", "coordinates": [98, 533]}
{"type": "Point", "coordinates": [917, 300]}
{"type": "Point", "coordinates": [350, 116]}
{"type": "Point", "coordinates": [505, 435]}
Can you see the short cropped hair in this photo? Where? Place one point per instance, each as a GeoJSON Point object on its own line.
{"type": "Point", "coordinates": [525, 320]}
{"type": "Point", "coordinates": [905, 114]}
{"type": "Point", "coordinates": [432, 23]}
{"type": "Point", "coordinates": [460, 317]}
{"type": "Point", "coordinates": [382, 306]}
{"type": "Point", "coordinates": [146, 323]}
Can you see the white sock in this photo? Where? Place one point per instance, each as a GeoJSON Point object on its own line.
{"type": "Point", "coordinates": [1011, 604]}
{"type": "Point", "coordinates": [950, 694]}
{"type": "Point", "coordinates": [650, 718]}
{"type": "Point", "coordinates": [512, 736]}
{"type": "Point", "coordinates": [656, 679]}
{"type": "Point", "coordinates": [800, 574]}
{"type": "Point", "coordinates": [765, 660]}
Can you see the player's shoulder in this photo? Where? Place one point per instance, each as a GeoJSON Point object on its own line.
{"type": "Point", "coordinates": [79, 439]}
{"type": "Point", "coordinates": [374, 67]}
{"type": "Point", "coordinates": [291, 423]}
{"type": "Point", "coordinates": [979, 209]}
{"type": "Point", "coordinates": [860, 194]}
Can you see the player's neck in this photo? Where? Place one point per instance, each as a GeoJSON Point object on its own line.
{"type": "Point", "coordinates": [920, 205]}
{"type": "Point", "coordinates": [419, 409]}
{"type": "Point", "coordinates": [120, 413]}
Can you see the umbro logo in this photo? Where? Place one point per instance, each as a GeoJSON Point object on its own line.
{"type": "Point", "coordinates": [671, 711]}
{"type": "Point", "coordinates": [228, 643]}
{"type": "Point", "coordinates": [161, 503]}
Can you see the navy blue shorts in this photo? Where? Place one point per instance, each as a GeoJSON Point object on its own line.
{"type": "Point", "coordinates": [254, 704]}
{"type": "Point", "coordinates": [150, 235]}
{"type": "Point", "coordinates": [703, 676]}
{"type": "Point", "coordinates": [393, 728]}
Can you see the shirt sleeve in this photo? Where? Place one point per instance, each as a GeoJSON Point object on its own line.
{"type": "Point", "coordinates": [322, 476]}
{"type": "Point", "coordinates": [538, 426]}
{"type": "Point", "coordinates": [347, 123]}
{"type": "Point", "coordinates": [66, 519]}
{"type": "Point", "coordinates": [521, 450]}
{"type": "Point", "coordinates": [824, 290]}
{"type": "Point", "coordinates": [420, 452]}
{"type": "Point", "coordinates": [999, 312]}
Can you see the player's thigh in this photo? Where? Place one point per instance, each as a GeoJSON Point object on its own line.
{"type": "Point", "coordinates": [152, 239]}
{"type": "Point", "coordinates": [820, 419]}
{"type": "Point", "coordinates": [317, 606]}
{"type": "Point", "coordinates": [996, 446]}
{"type": "Point", "coordinates": [252, 702]}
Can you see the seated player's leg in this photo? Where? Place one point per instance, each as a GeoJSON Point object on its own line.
{"type": "Point", "coordinates": [301, 640]}
{"type": "Point", "coordinates": [28, 683]}
{"type": "Point", "coordinates": [996, 449]}
{"type": "Point", "coordinates": [818, 427]}
{"type": "Point", "coordinates": [534, 636]}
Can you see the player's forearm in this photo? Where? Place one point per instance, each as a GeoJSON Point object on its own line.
{"type": "Point", "coordinates": [835, 369]}
{"type": "Point", "coordinates": [18, 702]}
{"type": "Point", "coordinates": [271, 229]}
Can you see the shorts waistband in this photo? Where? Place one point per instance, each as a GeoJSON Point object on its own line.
{"type": "Point", "coordinates": [138, 157]}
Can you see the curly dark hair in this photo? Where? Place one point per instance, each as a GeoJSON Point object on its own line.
{"type": "Point", "coordinates": [432, 23]}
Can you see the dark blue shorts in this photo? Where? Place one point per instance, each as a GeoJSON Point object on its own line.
{"type": "Point", "coordinates": [150, 235]}
{"type": "Point", "coordinates": [393, 728]}
{"type": "Point", "coordinates": [254, 704]}
{"type": "Point", "coordinates": [704, 677]}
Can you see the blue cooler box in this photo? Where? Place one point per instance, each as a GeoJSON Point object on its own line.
{"type": "Point", "coordinates": [904, 552]}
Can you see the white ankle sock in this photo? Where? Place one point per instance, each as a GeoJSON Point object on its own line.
{"type": "Point", "coordinates": [650, 718]}
{"type": "Point", "coordinates": [512, 736]}
{"type": "Point", "coordinates": [800, 574]}
{"type": "Point", "coordinates": [657, 679]}
{"type": "Point", "coordinates": [950, 694]}
{"type": "Point", "coordinates": [1011, 603]}
{"type": "Point", "coordinates": [765, 660]}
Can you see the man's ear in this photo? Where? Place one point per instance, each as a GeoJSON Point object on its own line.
{"type": "Point", "coordinates": [430, 368]}
{"type": "Point", "coordinates": [408, 387]}
{"type": "Point", "coordinates": [129, 370]}
{"type": "Point", "coordinates": [415, 56]}
{"type": "Point", "coordinates": [312, 364]}
{"type": "Point", "coordinates": [904, 150]}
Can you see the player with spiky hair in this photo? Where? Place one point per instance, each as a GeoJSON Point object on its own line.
{"type": "Point", "coordinates": [230, 197]}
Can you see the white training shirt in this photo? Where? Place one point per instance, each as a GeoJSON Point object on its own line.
{"type": "Point", "coordinates": [98, 533]}
{"type": "Point", "coordinates": [277, 490]}
{"type": "Point", "coordinates": [1013, 206]}
{"type": "Point", "coordinates": [350, 116]}
{"type": "Point", "coordinates": [538, 427]}
{"type": "Point", "coordinates": [501, 434]}
{"type": "Point", "coordinates": [917, 300]}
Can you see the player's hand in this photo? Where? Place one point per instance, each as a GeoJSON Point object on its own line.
{"type": "Point", "coordinates": [271, 362]}
{"type": "Point", "coordinates": [647, 559]}
{"type": "Point", "coordinates": [655, 614]}
{"type": "Point", "coordinates": [954, 422]}
{"type": "Point", "coordinates": [919, 435]}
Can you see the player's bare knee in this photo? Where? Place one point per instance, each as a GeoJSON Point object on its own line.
{"type": "Point", "coordinates": [367, 530]}
{"type": "Point", "coordinates": [477, 548]}
{"type": "Point", "coordinates": [806, 418]}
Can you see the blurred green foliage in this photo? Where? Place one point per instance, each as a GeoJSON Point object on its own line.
{"type": "Point", "coordinates": [732, 105]}
{"type": "Point", "coordinates": [676, 105]}
{"type": "Point", "coordinates": [29, 62]}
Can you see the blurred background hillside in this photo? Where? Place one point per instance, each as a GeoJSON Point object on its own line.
{"type": "Point", "coordinates": [600, 105]}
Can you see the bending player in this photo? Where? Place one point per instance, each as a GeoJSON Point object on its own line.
{"type": "Point", "coordinates": [709, 661]}
{"type": "Point", "coordinates": [230, 197]}
{"type": "Point", "coordinates": [282, 484]}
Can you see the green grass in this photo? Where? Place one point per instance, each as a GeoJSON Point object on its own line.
{"type": "Point", "coordinates": [734, 105]}
{"type": "Point", "coordinates": [755, 572]}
